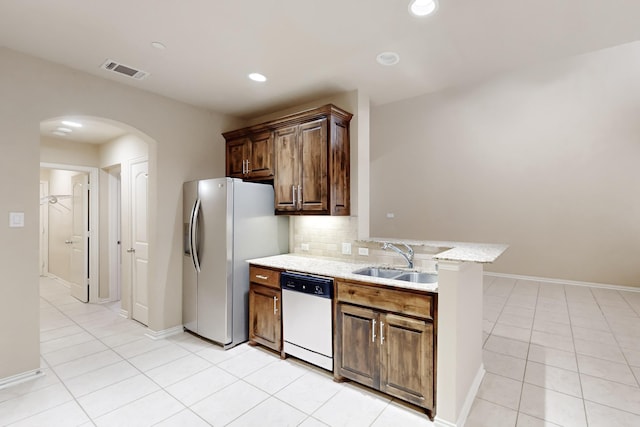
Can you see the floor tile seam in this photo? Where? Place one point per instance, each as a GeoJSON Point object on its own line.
{"type": "Point", "coordinates": [575, 356]}
{"type": "Point", "coordinates": [537, 418]}
{"type": "Point", "coordinates": [517, 410]}
{"type": "Point", "coordinates": [66, 347]}
{"type": "Point", "coordinates": [185, 409]}
{"type": "Point", "coordinates": [73, 397]}
{"type": "Point", "coordinates": [631, 305]}
{"type": "Point", "coordinates": [33, 414]}
{"type": "Point", "coordinates": [247, 374]}
{"type": "Point", "coordinates": [76, 357]}
{"type": "Point", "coordinates": [163, 363]}
{"type": "Point", "coordinates": [205, 397]}
{"type": "Point", "coordinates": [93, 335]}
{"type": "Point", "coordinates": [137, 354]}
{"type": "Point", "coordinates": [175, 382]}
{"type": "Point", "coordinates": [608, 380]}
{"type": "Point", "coordinates": [504, 354]}
{"type": "Point", "coordinates": [380, 413]}
{"type": "Point", "coordinates": [85, 373]}
{"type": "Point", "coordinates": [308, 415]}
{"type": "Point", "coordinates": [624, 356]}
{"type": "Point", "coordinates": [637, 414]}
{"type": "Point", "coordinates": [499, 404]}
{"type": "Point", "coordinates": [252, 407]}
{"type": "Point", "coordinates": [63, 336]}
{"type": "Point", "coordinates": [138, 399]}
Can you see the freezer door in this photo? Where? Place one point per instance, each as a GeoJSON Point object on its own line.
{"type": "Point", "coordinates": [215, 228]}
{"type": "Point", "coordinates": [189, 275]}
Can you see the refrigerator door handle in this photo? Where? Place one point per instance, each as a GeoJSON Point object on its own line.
{"type": "Point", "coordinates": [193, 235]}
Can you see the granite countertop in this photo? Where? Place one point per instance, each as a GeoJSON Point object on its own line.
{"type": "Point", "coordinates": [341, 269]}
{"type": "Point", "coordinates": [483, 253]}
{"type": "Point", "coordinates": [337, 268]}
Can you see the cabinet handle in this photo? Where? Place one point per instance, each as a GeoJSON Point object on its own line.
{"type": "Point", "coordinates": [381, 333]}
{"type": "Point", "coordinates": [299, 197]}
{"type": "Point", "coordinates": [243, 172]}
{"type": "Point", "coordinates": [373, 330]}
{"type": "Point", "coordinates": [275, 306]}
{"type": "Point", "coordinates": [293, 196]}
{"type": "Point", "coordinates": [248, 170]}
{"type": "Point", "coordinates": [260, 276]}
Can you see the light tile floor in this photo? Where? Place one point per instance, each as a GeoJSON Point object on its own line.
{"type": "Point", "coordinates": [558, 355]}
{"type": "Point", "coordinates": [555, 355]}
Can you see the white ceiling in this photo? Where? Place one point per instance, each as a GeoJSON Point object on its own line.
{"type": "Point", "coordinates": [93, 130]}
{"type": "Point", "coordinates": [309, 49]}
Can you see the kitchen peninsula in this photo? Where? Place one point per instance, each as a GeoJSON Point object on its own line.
{"type": "Point", "coordinates": [452, 306]}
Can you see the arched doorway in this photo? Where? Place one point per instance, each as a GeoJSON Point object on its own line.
{"type": "Point", "coordinates": [113, 153]}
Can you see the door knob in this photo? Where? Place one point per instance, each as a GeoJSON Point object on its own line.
{"type": "Point", "coordinates": [68, 242]}
{"type": "Point", "coordinates": [131, 251]}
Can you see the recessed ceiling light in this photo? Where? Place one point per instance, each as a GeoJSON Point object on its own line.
{"type": "Point", "coordinates": [65, 130]}
{"type": "Point", "coordinates": [55, 132]}
{"type": "Point", "coordinates": [72, 124]}
{"type": "Point", "coordinates": [388, 58]}
{"type": "Point", "coordinates": [423, 7]}
{"type": "Point", "coordinates": [257, 77]}
{"type": "Point", "coordinates": [158, 45]}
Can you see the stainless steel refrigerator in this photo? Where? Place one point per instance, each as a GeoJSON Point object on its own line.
{"type": "Point", "coordinates": [226, 222]}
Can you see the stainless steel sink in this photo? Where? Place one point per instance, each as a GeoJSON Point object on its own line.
{"type": "Point", "coordinates": [385, 273]}
{"type": "Point", "coordinates": [417, 277]}
{"type": "Point", "coordinates": [397, 274]}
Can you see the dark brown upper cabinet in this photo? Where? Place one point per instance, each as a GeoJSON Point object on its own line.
{"type": "Point", "coordinates": [306, 155]}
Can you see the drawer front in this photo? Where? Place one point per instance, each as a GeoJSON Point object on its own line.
{"type": "Point", "coordinates": [264, 276]}
{"type": "Point", "coordinates": [399, 301]}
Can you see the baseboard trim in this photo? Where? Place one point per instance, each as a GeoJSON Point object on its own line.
{"type": "Point", "coordinates": [20, 378]}
{"type": "Point", "coordinates": [564, 281]}
{"type": "Point", "coordinates": [471, 395]}
{"type": "Point", "coordinates": [468, 402]}
{"type": "Point", "coordinates": [437, 422]}
{"type": "Point", "coordinates": [124, 313]}
{"type": "Point", "coordinates": [165, 333]}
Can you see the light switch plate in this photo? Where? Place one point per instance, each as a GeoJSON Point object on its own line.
{"type": "Point", "coordinates": [363, 251]}
{"type": "Point", "coordinates": [346, 248]}
{"type": "Point", "coordinates": [16, 219]}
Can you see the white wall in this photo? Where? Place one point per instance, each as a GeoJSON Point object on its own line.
{"type": "Point", "coordinates": [187, 145]}
{"type": "Point", "coordinates": [53, 150]}
{"type": "Point", "coordinates": [546, 160]}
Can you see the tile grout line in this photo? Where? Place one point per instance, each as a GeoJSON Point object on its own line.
{"type": "Point", "coordinates": [526, 363]}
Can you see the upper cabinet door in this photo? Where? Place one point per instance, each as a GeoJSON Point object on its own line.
{"type": "Point", "coordinates": [287, 164]}
{"type": "Point", "coordinates": [260, 157]}
{"type": "Point", "coordinates": [306, 154]}
{"type": "Point", "coordinates": [236, 157]}
{"type": "Point", "coordinates": [313, 183]}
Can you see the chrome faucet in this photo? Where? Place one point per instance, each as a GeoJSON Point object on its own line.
{"type": "Point", "coordinates": [408, 255]}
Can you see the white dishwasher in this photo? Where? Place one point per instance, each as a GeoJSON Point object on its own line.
{"type": "Point", "coordinates": [307, 326]}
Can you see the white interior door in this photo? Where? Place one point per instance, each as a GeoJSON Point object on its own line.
{"type": "Point", "coordinates": [79, 239]}
{"type": "Point", "coordinates": [140, 241]}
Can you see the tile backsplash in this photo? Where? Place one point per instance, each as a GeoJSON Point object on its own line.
{"type": "Point", "coordinates": [325, 235]}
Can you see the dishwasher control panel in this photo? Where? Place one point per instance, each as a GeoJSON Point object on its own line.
{"type": "Point", "coordinates": [314, 285]}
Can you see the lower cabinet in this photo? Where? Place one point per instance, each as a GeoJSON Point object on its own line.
{"type": "Point", "coordinates": [265, 321]}
{"type": "Point", "coordinates": [385, 350]}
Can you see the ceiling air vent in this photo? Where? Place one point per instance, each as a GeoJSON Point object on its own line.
{"type": "Point", "coordinates": [125, 70]}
